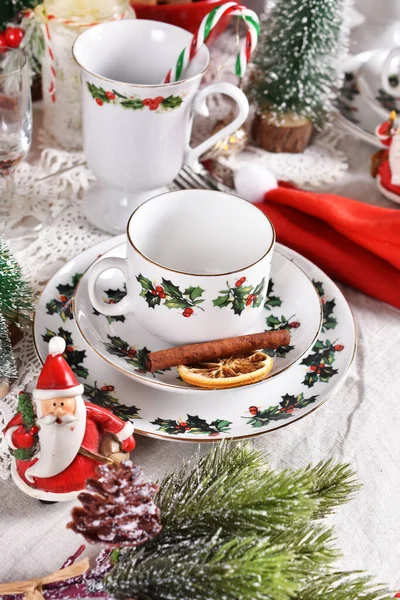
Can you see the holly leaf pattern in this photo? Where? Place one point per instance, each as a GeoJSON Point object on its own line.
{"type": "Point", "coordinates": [169, 295]}
{"type": "Point", "coordinates": [328, 321]}
{"type": "Point", "coordinates": [279, 323]}
{"type": "Point", "coordinates": [102, 96]}
{"type": "Point", "coordinates": [113, 297]}
{"type": "Point", "coordinates": [137, 357]}
{"type": "Point", "coordinates": [263, 416]}
{"type": "Point", "coordinates": [239, 296]}
{"type": "Point", "coordinates": [271, 300]}
{"type": "Point", "coordinates": [103, 396]}
{"type": "Point", "coordinates": [319, 362]}
{"type": "Point", "coordinates": [193, 424]}
{"type": "Point", "coordinates": [62, 304]}
{"type": "Point", "coordinates": [74, 358]}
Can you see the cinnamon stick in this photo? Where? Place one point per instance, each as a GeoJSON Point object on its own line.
{"type": "Point", "coordinates": [236, 346]}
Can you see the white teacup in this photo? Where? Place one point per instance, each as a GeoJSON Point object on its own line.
{"type": "Point", "coordinates": [197, 266]}
{"type": "Point", "coordinates": [136, 130]}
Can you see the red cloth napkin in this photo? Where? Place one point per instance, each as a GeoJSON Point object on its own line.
{"type": "Point", "coordinates": [354, 242]}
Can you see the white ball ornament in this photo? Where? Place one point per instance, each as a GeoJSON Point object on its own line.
{"type": "Point", "coordinates": [252, 181]}
{"type": "Point", "coordinates": [56, 346]}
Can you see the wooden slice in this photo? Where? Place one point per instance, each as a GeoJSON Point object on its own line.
{"type": "Point", "coordinates": [292, 137]}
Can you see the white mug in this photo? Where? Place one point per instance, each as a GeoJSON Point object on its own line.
{"type": "Point", "coordinates": [136, 130]}
{"type": "Point", "coordinates": [197, 266]}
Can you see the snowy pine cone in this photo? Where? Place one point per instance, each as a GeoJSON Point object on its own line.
{"type": "Point", "coordinates": [118, 508]}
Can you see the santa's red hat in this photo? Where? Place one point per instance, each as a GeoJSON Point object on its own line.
{"type": "Point", "coordinates": [56, 379]}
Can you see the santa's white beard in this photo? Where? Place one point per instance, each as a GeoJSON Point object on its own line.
{"type": "Point", "coordinates": [58, 442]}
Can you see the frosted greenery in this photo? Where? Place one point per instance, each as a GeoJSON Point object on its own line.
{"type": "Point", "coordinates": [297, 61]}
{"type": "Point", "coordinates": [236, 529]}
{"type": "Point", "coordinates": [10, 8]}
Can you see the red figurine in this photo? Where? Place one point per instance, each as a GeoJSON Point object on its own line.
{"type": "Point", "coordinates": [385, 164]}
{"type": "Point", "coordinates": [68, 432]}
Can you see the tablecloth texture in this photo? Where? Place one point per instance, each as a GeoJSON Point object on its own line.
{"type": "Point", "coordinates": [359, 425]}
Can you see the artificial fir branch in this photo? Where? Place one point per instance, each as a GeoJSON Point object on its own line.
{"type": "Point", "coordinates": [16, 297]}
{"type": "Point", "coordinates": [235, 529]}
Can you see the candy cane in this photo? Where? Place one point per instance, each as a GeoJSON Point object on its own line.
{"type": "Point", "coordinates": [207, 25]}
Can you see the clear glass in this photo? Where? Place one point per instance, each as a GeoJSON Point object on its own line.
{"type": "Point", "coordinates": [15, 120]}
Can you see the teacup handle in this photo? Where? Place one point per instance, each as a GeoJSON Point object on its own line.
{"type": "Point", "coordinates": [122, 307]}
{"type": "Point", "coordinates": [200, 106]}
{"type": "Point", "coordinates": [393, 91]}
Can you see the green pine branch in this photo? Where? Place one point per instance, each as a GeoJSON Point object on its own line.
{"type": "Point", "coordinates": [10, 8]}
{"type": "Point", "coordinates": [8, 368]}
{"type": "Point", "coordinates": [234, 528]}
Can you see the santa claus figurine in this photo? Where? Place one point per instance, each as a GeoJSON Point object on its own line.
{"type": "Point", "coordinates": [69, 432]}
{"type": "Point", "coordinates": [385, 164]}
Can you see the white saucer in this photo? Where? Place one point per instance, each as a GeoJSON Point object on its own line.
{"type": "Point", "coordinates": [292, 303]}
{"type": "Point", "coordinates": [241, 413]}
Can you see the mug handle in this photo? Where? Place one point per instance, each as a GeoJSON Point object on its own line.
{"type": "Point", "coordinates": [200, 106]}
{"type": "Point", "coordinates": [122, 307]}
{"type": "Point", "coordinates": [393, 91]}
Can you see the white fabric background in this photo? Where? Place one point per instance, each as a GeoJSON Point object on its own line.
{"type": "Point", "coordinates": [359, 425]}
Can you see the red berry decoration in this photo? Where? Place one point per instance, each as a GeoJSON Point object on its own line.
{"type": "Point", "coordinates": [63, 298]}
{"type": "Point", "coordinates": [321, 365]}
{"type": "Point", "coordinates": [249, 300]}
{"type": "Point", "coordinates": [240, 281]}
{"type": "Point", "coordinates": [338, 347]}
{"type": "Point", "coordinates": [159, 289]}
{"type": "Point", "coordinates": [183, 424]}
{"type": "Point", "coordinates": [13, 36]}
{"type": "Point", "coordinates": [313, 368]}
{"type": "Point", "coordinates": [3, 41]}
{"type": "Point", "coordinates": [253, 410]}
{"type": "Point", "coordinates": [110, 95]}
{"type": "Point", "coordinates": [104, 388]}
{"type": "Point", "coordinates": [132, 352]}
{"type": "Point", "coordinates": [153, 105]}
{"type": "Point", "coordinates": [162, 295]}
{"type": "Point", "coordinates": [69, 349]}
{"type": "Point", "coordinates": [154, 292]}
{"type": "Point", "coordinates": [99, 102]}
{"type": "Point", "coordinates": [110, 388]}
{"type": "Point", "coordinates": [294, 325]}
{"type": "Point", "coordinates": [146, 101]}
{"type": "Point", "coordinates": [159, 99]}
{"type": "Point", "coordinates": [187, 312]}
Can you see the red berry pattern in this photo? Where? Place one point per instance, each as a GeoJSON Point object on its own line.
{"type": "Point", "coordinates": [294, 325]}
{"type": "Point", "coordinates": [338, 347]}
{"type": "Point", "coordinates": [188, 312]}
{"type": "Point", "coordinates": [3, 41]}
{"type": "Point", "coordinates": [99, 102]}
{"type": "Point", "coordinates": [110, 95]}
{"type": "Point", "coordinates": [240, 281]}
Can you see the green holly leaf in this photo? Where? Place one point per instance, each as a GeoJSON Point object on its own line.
{"type": "Point", "coordinates": [272, 301]}
{"type": "Point", "coordinates": [221, 425]}
{"type": "Point", "coordinates": [97, 92]}
{"type": "Point", "coordinates": [172, 102]}
{"type": "Point", "coordinates": [116, 295]}
{"type": "Point", "coordinates": [174, 303]}
{"type": "Point", "coordinates": [140, 358]}
{"type": "Point", "coordinates": [222, 301]}
{"type": "Point", "coordinates": [282, 351]}
{"type": "Point", "coordinates": [132, 103]}
{"type": "Point", "coordinates": [310, 379]}
{"type": "Point", "coordinates": [260, 287]}
{"type": "Point", "coordinates": [224, 292]}
{"type": "Point", "coordinates": [194, 292]}
{"type": "Point", "coordinates": [242, 291]}
{"type": "Point", "coordinates": [119, 95]}
{"type": "Point", "coordinates": [238, 306]}
{"type": "Point", "coordinates": [152, 300]}
{"type": "Point", "coordinates": [144, 282]}
{"type": "Point", "coordinates": [319, 287]}
{"type": "Point", "coordinates": [272, 321]}
{"type": "Point", "coordinates": [329, 322]}
{"type": "Point", "coordinates": [171, 290]}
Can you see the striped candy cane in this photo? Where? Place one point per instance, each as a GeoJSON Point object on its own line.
{"type": "Point", "coordinates": [207, 25]}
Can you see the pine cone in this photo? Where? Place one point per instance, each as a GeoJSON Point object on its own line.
{"type": "Point", "coordinates": [118, 508]}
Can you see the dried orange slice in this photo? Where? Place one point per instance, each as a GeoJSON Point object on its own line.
{"type": "Point", "coordinates": [227, 372]}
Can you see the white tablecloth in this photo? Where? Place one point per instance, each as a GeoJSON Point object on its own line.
{"type": "Point", "coordinates": [359, 425]}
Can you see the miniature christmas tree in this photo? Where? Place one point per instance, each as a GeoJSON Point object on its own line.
{"type": "Point", "coordinates": [16, 306]}
{"type": "Point", "coordinates": [297, 71]}
{"type": "Point", "coordinates": [118, 508]}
